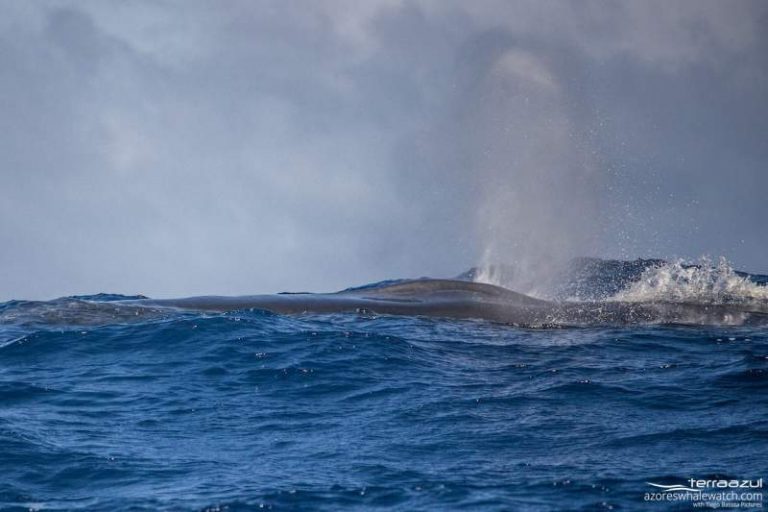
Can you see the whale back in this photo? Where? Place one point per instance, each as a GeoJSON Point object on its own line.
{"type": "Point", "coordinates": [465, 299]}
{"type": "Point", "coordinates": [448, 289]}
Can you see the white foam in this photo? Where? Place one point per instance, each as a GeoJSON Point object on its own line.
{"type": "Point", "coordinates": [705, 283]}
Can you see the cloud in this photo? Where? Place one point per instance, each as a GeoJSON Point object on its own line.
{"type": "Point", "coordinates": [156, 148]}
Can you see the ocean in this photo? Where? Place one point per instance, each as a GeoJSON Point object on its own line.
{"type": "Point", "coordinates": [249, 410]}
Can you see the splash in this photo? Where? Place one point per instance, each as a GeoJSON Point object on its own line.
{"type": "Point", "coordinates": [706, 282]}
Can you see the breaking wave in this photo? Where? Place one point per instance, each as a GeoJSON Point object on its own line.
{"type": "Point", "coordinates": [706, 282]}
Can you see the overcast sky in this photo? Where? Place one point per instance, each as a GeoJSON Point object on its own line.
{"type": "Point", "coordinates": [238, 147]}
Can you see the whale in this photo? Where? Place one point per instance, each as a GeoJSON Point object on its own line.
{"type": "Point", "coordinates": [458, 299]}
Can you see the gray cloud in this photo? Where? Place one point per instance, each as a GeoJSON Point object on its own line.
{"type": "Point", "coordinates": [241, 147]}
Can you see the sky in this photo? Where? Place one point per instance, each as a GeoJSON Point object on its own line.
{"type": "Point", "coordinates": [173, 148]}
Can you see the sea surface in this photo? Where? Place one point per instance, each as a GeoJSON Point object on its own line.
{"type": "Point", "coordinates": [248, 410]}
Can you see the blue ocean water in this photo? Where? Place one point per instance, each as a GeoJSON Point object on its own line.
{"type": "Point", "coordinates": [248, 410]}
